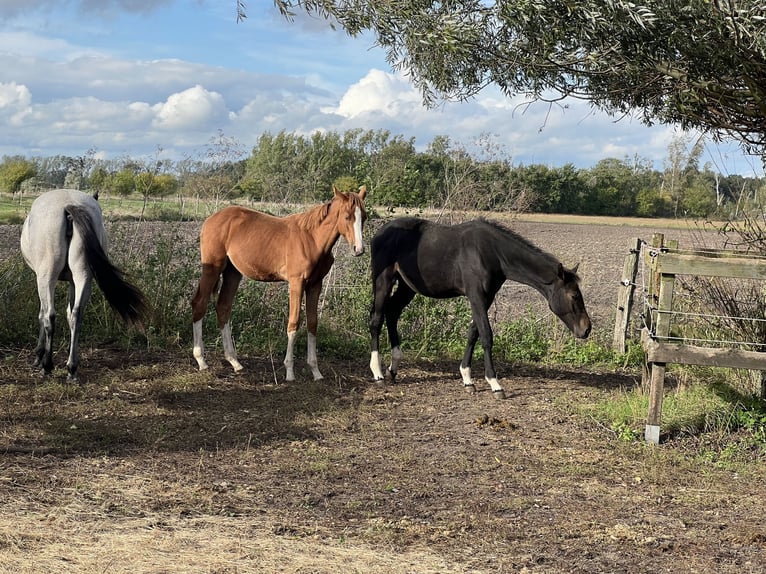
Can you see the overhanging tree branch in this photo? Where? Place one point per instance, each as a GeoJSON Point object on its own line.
{"type": "Point", "coordinates": [697, 63]}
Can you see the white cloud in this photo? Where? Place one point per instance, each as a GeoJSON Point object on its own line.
{"type": "Point", "coordinates": [13, 95]}
{"type": "Point", "coordinates": [192, 109]}
{"type": "Point", "coordinates": [379, 93]}
{"type": "Point", "coordinates": [15, 103]}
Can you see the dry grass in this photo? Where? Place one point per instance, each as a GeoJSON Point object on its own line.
{"type": "Point", "coordinates": [150, 466]}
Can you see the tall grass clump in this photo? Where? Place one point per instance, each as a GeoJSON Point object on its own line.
{"type": "Point", "coordinates": [18, 291]}
{"type": "Point", "coordinates": [701, 401]}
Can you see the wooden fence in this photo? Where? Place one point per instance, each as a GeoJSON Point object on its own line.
{"type": "Point", "coordinates": [663, 261]}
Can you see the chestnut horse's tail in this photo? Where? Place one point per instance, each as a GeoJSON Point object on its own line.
{"type": "Point", "coordinates": [126, 299]}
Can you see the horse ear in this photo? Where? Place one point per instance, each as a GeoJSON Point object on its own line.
{"type": "Point", "coordinates": [561, 272]}
{"type": "Point", "coordinates": [335, 192]}
{"type": "Point", "coordinates": [574, 269]}
{"type": "Point", "coordinates": [362, 191]}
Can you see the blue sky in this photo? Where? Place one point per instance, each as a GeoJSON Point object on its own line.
{"type": "Point", "coordinates": [126, 77]}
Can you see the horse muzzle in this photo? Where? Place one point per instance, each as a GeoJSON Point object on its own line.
{"type": "Point", "coordinates": [582, 329]}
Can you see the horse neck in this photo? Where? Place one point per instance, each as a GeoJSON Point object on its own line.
{"type": "Point", "coordinates": [321, 223]}
{"type": "Point", "coordinates": [525, 263]}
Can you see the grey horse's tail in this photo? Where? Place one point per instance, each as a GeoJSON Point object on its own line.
{"type": "Point", "coordinates": [126, 299]}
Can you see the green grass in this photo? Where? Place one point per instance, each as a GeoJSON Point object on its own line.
{"type": "Point", "coordinates": [705, 404]}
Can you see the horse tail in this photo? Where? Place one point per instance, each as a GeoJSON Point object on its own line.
{"type": "Point", "coordinates": [126, 299]}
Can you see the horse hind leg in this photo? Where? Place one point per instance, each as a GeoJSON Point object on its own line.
{"type": "Point", "coordinates": [229, 285]}
{"type": "Point", "coordinates": [47, 319]}
{"type": "Point", "coordinates": [312, 322]}
{"type": "Point", "coordinates": [79, 294]}
{"type": "Point", "coordinates": [207, 284]}
{"type": "Point", "coordinates": [382, 291]}
{"type": "Point", "coordinates": [396, 304]}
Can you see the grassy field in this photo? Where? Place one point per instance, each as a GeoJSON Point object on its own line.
{"type": "Point", "coordinates": [149, 465]}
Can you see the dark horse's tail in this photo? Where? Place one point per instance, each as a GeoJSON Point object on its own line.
{"type": "Point", "coordinates": [127, 300]}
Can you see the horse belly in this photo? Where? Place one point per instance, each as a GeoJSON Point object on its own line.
{"type": "Point", "coordinates": [435, 287]}
{"type": "Point", "coordinates": [257, 271]}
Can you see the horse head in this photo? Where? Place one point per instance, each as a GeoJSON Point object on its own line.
{"type": "Point", "coordinates": [351, 217]}
{"type": "Point", "coordinates": [566, 302]}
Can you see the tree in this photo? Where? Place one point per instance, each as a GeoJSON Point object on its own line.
{"type": "Point", "coordinates": [14, 171]}
{"type": "Point", "coordinates": [218, 175]}
{"type": "Point", "coordinates": [681, 167]}
{"type": "Point", "coordinates": [697, 63]}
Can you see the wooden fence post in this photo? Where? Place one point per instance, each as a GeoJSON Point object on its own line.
{"type": "Point", "coordinates": [663, 285]}
{"type": "Point", "coordinates": [625, 296]}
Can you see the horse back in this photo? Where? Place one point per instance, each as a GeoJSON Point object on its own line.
{"type": "Point", "coordinates": [424, 254]}
{"type": "Point", "coordinates": [261, 246]}
{"type": "Point", "coordinates": [47, 231]}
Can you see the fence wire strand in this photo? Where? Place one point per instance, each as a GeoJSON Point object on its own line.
{"type": "Point", "coordinates": [650, 311]}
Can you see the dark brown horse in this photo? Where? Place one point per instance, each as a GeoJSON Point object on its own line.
{"type": "Point", "coordinates": [472, 259]}
{"type": "Point", "coordinates": [298, 249]}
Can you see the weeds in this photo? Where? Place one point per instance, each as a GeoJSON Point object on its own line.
{"type": "Point", "coordinates": [162, 258]}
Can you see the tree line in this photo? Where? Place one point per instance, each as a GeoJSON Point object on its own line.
{"type": "Point", "coordinates": [287, 167]}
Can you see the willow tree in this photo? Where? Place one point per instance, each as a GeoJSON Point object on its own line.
{"type": "Point", "coordinates": [697, 63]}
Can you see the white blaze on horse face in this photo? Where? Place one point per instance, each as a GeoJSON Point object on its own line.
{"type": "Point", "coordinates": [358, 242]}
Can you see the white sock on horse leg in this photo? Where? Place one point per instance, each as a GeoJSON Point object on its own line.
{"type": "Point", "coordinates": [396, 357]}
{"type": "Point", "coordinates": [497, 390]}
{"type": "Point", "coordinates": [289, 363]}
{"type": "Point", "coordinates": [229, 352]}
{"type": "Point", "coordinates": [198, 349]}
{"type": "Point", "coordinates": [312, 357]}
{"type": "Point", "coordinates": [377, 371]}
{"type": "Point", "coordinates": [465, 373]}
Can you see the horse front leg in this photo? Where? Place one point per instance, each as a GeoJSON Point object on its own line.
{"type": "Point", "coordinates": [312, 322]}
{"type": "Point", "coordinates": [296, 295]}
{"type": "Point", "coordinates": [481, 322]}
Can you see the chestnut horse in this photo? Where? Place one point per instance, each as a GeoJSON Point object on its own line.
{"type": "Point", "coordinates": [472, 259]}
{"type": "Point", "coordinates": [298, 249]}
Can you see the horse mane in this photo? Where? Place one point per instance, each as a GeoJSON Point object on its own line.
{"type": "Point", "coordinates": [515, 237]}
{"type": "Point", "coordinates": [313, 218]}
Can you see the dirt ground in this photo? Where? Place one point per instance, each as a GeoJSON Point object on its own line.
{"type": "Point", "coordinates": [151, 466]}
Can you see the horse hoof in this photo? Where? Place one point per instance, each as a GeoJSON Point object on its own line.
{"type": "Point", "coordinates": [498, 394]}
{"type": "Point", "coordinates": [470, 389]}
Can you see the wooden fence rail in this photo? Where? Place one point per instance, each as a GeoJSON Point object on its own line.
{"type": "Point", "coordinates": [664, 261]}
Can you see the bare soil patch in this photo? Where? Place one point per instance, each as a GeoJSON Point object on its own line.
{"type": "Point", "coordinates": [150, 466]}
